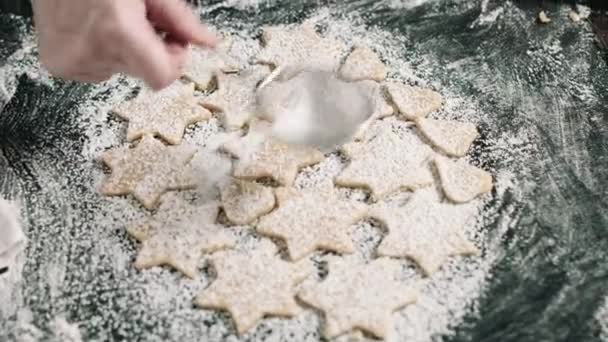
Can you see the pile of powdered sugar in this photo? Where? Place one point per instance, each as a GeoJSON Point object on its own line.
{"type": "Point", "coordinates": [164, 298]}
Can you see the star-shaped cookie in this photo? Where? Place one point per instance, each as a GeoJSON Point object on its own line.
{"type": "Point", "coordinates": [387, 163]}
{"type": "Point", "coordinates": [235, 96]}
{"type": "Point", "coordinates": [244, 202]}
{"type": "Point", "coordinates": [178, 235]}
{"type": "Point", "coordinates": [363, 64]}
{"type": "Point", "coordinates": [413, 102]}
{"type": "Point", "coordinates": [425, 229]}
{"type": "Point", "coordinates": [148, 170]}
{"type": "Point", "coordinates": [312, 219]}
{"type": "Point", "coordinates": [204, 64]}
{"type": "Point", "coordinates": [253, 284]}
{"type": "Point", "coordinates": [299, 48]}
{"type": "Point", "coordinates": [261, 157]}
{"type": "Point", "coordinates": [462, 182]}
{"type": "Point", "coordinates": [359, 296]}
{"type": "Point", "coordinates": [453, 138]}
{"type": "Point", "coordinates": [166, 113]}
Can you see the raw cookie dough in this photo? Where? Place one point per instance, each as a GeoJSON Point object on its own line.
{"type": "Point", "coordinates": [363, 64]}
{"type": "Point", "coordinates": [543, 18]}
{"type": "Point", "coordinates": [453, 138]}
{"type": "Point", "coordinates": [244, 202]}
{"type": "Point", "coordinates": [261, 157]}
{"type": "Point", "coordinates": [179, 234]}
{"type": "Point", "coordinates": [235, 97]}
{"type": "Point", "coordinates": [148, 170]}
{"type": "Point", "coordinates": [574, 16]}
{"type": "Point", "coordinates": [299, 47]}
{"type": "Point", "coordinates": [204, 64]}
{"type": "Point", "coordinates": [253, 284]}
{"type": "Point", "coordinates": [359, 296]}
{"type": "Point", "coordinates": [425, 229]}
{"type": "Point", "coordinates": [413, 102]}
{"type": "Point", "coordinates": [165, 113]}
{"type": "Point", "coordinates": [387, 163]}
{"type": "Point", "coordinates": [462, 182]}
{"type": "Point", "coordinates": [313, 219]}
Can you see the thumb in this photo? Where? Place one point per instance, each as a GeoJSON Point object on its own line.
{"type": "Point", "coordinates": [178, 20]}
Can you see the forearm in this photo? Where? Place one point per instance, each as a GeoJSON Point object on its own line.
{"type": "Point", "coordinates": [17, 7]}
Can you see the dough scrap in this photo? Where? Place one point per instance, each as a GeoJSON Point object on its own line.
{"type": "Point", "coordinates": [574, 16]}
{"type": "Point", "coordinates": [166, 113]}
{"type": "Point", "coordinates": [363, 64]}
{"type": "Point", "coordinates": [425, 230]}
{"type": "Point", "coordinates": [148, 170]}
{"type": "Point", "coordinates": [311, 220]}
{"type": "Point", "coordinates": [413, 102]}
{"type": "Point", "coordinates": [261, 157]}
{"type": "Point", "coordinates": [251, 285]}
{"type": "Point", "coordinates": [244, 202]}
{"type": "Point", "coordinates": [453, 138]}
{"type": "Point", "coordinates": [299, 48]}
{"type": "Point", "coordinates": [178, 235]}
{"type": "Point", "coordinates": [543, 18]}
{"type": "Point", "coordinates": [235, 97]}
{"type": "Point", "coordinates": [204, 64]}
{"type": "Point", "coordinates": [387, 163]}
{"type": "Point", "coordinates": [359, 296]}
{"type": "Point", "coordinates": [462, 182]}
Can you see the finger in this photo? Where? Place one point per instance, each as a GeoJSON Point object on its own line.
{"type": "Point", "coordinates": [78, 65]}
{"type": "Point", "coordinates": [178, 20]}
{"type": "Point", "coordinates": [178, 49]}
{"type": "Point", "coordinates": [147, 56]}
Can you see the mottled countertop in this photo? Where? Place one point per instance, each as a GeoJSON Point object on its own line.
{"type": "Point", "coordinates": [539, 94]}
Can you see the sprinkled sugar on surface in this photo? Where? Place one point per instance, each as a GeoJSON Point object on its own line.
{"type": "Point", "coordinates": [460, 181]}
{"type": "Point", "coordinates": [262, 157]}
{"type": "Point", "coordinates": [78, 237]}
{"type": "Point", "coordinates": [266, 287]}
{"type": "Point", "coordinates": [164, 114]}
{"type": "Point", "coordinates": [234, 98]}
{"type": "Point", "coordinates": [170, 238]}
{"type": "Point", "coordinates": [149, 293]}
{"type": "Point", "coordinates": [312, 219]}
{"type": "Point", "coordinates": [381, 165]}
{"type": "Point", "coordinates": [352, 297]}
{"type": "Point", "coordinates": [363, 64]}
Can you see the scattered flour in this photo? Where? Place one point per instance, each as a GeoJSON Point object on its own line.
{"type": "Point", "coordinates": [407, 3]}
{"type": "Point", "coordinates": [165, 299]}
{"type": "Point", "coordinates": [22, 61]}
{"type": "Point", "coordinates": [65, 331]}
{"type": "Point", "coordinates": [487, 17]}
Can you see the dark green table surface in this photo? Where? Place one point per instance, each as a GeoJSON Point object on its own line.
{"type": "Point", "coordinates": [547, 85]}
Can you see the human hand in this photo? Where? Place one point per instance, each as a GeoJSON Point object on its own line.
{"type": "Point", "coordinates": [90, 40]}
